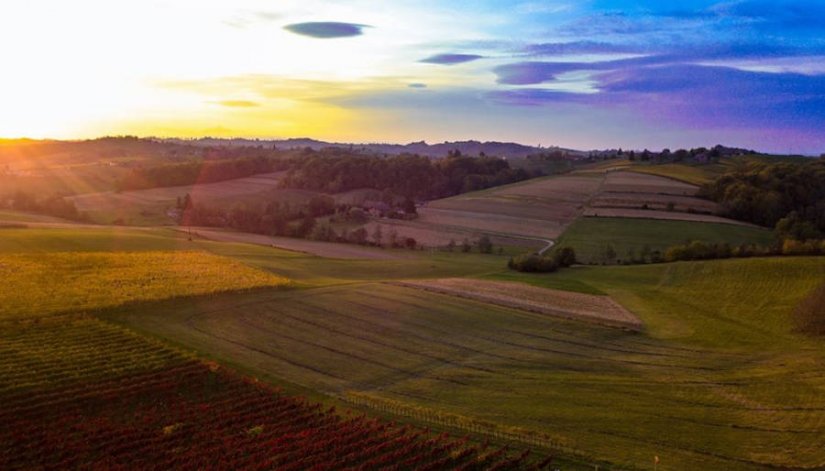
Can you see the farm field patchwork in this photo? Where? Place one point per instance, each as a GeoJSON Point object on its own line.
{"type": "Point", "coordinates": [321, 249]}
{"type": "Point", "coordinates": [41, 284]}
{"type": "Point", "coordinates": [633, 182]}
{"type": "Point", "coordinates": [642, 195]}
{"type": "Point", "coordinates": [151, 205]}
{"type": "Point", "coordinates": [590, 236]}
{"type": "Point", "coordinates": [710, 384]}
{"type": "Point", "coordinates": [547, 204]}
{"type": "Point", "coordinates": [487, 223]}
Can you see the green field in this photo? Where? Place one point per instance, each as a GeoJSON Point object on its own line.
{"type": "Point", "coordinates": [711, 383]}
{"type": "Point", "coordinates": [694, 174]}
{"type": "Point", "coordinates": [717, 379]}
{"type": "Point", "coordinates": [39, 284]}
{"type": "Point", "coordinates": [590, 236]}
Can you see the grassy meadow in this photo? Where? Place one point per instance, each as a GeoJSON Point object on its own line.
{"type": "Point", "coordinates": [717, 379]}
{"type": "Point", "coordinates": [42, 284]}
{"type": "Point", "coordinates": [590, 236]}
{"type": "Point", "coordinates": [706, 385]}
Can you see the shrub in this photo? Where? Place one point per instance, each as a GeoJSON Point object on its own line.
{"type": "Point", "coordinates": [565, 256]}
{"type": "Point", "coordinates": [533, 263]}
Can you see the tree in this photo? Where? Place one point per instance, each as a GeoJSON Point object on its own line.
{"type": "Point", "coordinates": [609, 254]}
{"type": "Point", "coordinates": [409, 206]}
{"type": "Point", "coordinates": [187, 203]}
{"type": "Point", "coordinates": [321, 205]}
{"type": "Point", "coordinates": [358, 236]}
{"type": "Point", "coordinates": [485, 245]}
{"type": "Point", "coordinates": [451, 245]}
{"type": "Point", "coordinates": [307, 224]}
{"type": "Point", "coordinates": [377, 235]}
{"type": "Point", "coordinates": [465, 245]}
{"type": "Point", "coordinates": [565, 256]}
{"type": "Point", "coordinates": [393, 237]}
{"type": "Point", "coordinates": [410, 243]}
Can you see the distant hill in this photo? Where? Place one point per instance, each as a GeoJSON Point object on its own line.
{"type": "Point", "coordinates": [498, 149]}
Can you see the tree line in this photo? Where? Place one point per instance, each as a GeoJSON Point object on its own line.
{"type": "Point", "coordinates": [411, 176]}
{"type": "Point", "coordinates": [198, 171]}
{"type": "Point", "coordinates": [54, 205]}
{"type": "Point", "coordinates": [561, 257]}
{"type": "Point", "coordinates": [335, 170]}
{"type": "Point", "coordinates": [789, 197]}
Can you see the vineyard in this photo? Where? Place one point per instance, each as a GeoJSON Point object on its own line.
{"type": "Point", "coordinates": [79, 393]}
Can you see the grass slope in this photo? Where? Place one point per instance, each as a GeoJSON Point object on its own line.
{"type": "Point", "coordinates": [693, 174]}
{"type": "Point", "coordinates": [43, 284]}
{"type": "Point", "coordinates": [718, 381]}
{"type": "Point", "coordinates": [590, 236]}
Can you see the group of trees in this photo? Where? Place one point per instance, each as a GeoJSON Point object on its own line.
{"type": "Point", "coordinates": [700, 250]}
{"type": "Point", "coordinates": [334, 170]}
{"type": "Point", "coordinates": [787, 196]}
{"type": "Point", "coordinates": [484, 245]}
{"type": "Point", "coordinates": [54, 205]}
{"type": "Point", "coordinates": [698, 154]}
{"type": "Point", "coordinates": [411, 176]}
{"type": "Point", "coordinates": [562, 257]}
{"type": "Point", "coordinates": [293, 220]}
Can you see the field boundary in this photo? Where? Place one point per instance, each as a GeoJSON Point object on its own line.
{"type": "Point", "coordinates": [632, 325]}
{"type": "Point", "coordinates": [466, 424]}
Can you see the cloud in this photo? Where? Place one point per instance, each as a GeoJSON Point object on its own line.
{"type": "Point", "coordinates": [417, 85]}
{"type": "Point", "coordinates": [536, 72]}
{"type": "Point", "coordinates": [696, 97]}
{"type": "Point", "coordinates": [246, 18]}
{"type": "Point", "coordinates": [578, 47]}
{"type": "Point", "coordinates": [805, 14]}
{"type": "Point", "coordinates": [450, 59]}
{"type": "Point", "coordinates": [236, 103]}
{"type": "Point", "coordinates": [326, 29]}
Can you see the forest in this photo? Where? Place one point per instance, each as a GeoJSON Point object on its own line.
{"type": "Point", "coordinates": [198, 171]}
{"type": "Point", "coordinates": [411, 176]}
{"type": "Point", "coordinates": [789, 197]}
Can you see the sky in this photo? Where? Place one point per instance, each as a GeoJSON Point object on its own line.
{"type": "Point", "coordinates": [581, 74]}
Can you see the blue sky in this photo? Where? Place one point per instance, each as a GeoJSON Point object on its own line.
{"type": "Point", "coordinates": [584, 74]}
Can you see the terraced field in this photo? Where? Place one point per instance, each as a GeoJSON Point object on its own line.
{"type": "Point", "coordinates": [717, 381]}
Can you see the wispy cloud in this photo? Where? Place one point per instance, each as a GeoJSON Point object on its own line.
{"type": "Point", "coordinates": [236, 103]}
{"type": "Point", "coordinates": [327, 29]}
{"type": "Point", "coordinates": [450, 59]}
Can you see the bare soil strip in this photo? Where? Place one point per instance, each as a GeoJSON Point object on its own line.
{"type": "Point", "coordinates": [569, 305]}
{"type": "Point", "coordinates": [665, 215]}
{"type": "Point", "coordinates": [321, 249]}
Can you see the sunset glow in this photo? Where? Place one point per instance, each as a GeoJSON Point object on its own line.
{"type": "Point", "coordinates": [579, 74]}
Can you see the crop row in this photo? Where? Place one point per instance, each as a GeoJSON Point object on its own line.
{"type": "Point", "coordinates": [59, 352]}
{"type": "Point", "coordinates": [195, 417]}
